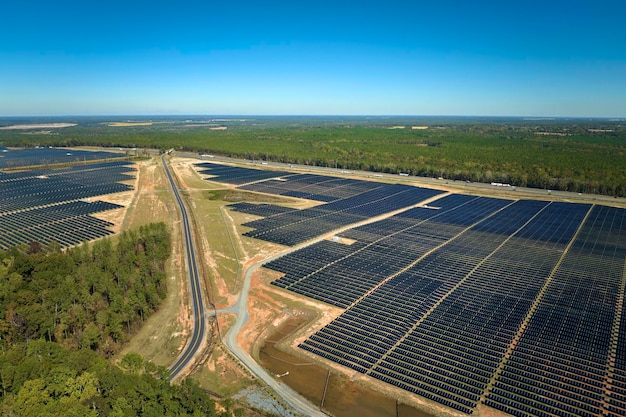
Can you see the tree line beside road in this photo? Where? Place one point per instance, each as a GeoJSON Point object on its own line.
{"type": "Point", "coordinates": [63, 314]}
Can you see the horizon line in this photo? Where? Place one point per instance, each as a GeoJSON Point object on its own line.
{"type": "Point", "coordinates": [232, 115]}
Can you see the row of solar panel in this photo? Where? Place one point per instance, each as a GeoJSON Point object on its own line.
{"type": "Point", "coordinates": [15, 158]}
{"type": "Point", "coordinates": [236, 175]}
{"type": "Point", "coordinates": [555, 235]}
{"type": "Point", "coordinates": [41, 205]}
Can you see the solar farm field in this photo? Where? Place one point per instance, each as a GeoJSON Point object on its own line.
{"type": "Point", "coordinates": [347, 201]}
{"type": "Point", "coordinates": [517, 306]}
{"type": "Point", "coordinates": [15, 158]}
{"type": "Point", "coordinates": [54, 204]}
{"type": "Point", "coordinates": [471, 302]}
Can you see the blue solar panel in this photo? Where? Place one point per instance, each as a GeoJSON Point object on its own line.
{"type": "Point", "coordinates": [16, 158]}
{"type": "Point", "coordinates": [236, 175]}
{"type": "Point", "coordinates": [41, 205]}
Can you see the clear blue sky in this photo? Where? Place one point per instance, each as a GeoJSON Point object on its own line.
{"type": "Point", "coordinates": [521, 58]}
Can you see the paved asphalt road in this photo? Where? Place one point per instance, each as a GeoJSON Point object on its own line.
{"type": "Point", "coordinates": [295, 400]}
{"type": "Point", "coordinates": [199, 325]}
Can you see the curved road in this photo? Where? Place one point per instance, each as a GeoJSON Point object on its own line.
{"type": "Point", "coordinates": [199, 323]}
{"type": "Point", "coordinates": [295, 400]}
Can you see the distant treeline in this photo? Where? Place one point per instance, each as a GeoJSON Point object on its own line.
{"type": "Point", "coordinates": [586, 157]}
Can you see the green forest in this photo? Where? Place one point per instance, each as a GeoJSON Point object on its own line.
{"type": "Point", "coordinates": [64, 313]}
{"type": "Point", "coordinates": [576, 155]}
{"type": "Point", "coordinates": [91, 296]}
{"type": "Point", "coordinates": [43, 379]}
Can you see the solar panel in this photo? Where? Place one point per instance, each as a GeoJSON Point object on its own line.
{"type": "Point", "coordinates": [43, 205]}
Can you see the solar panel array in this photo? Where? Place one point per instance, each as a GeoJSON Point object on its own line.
{"type": "Point", "coordinates": [476, 320]}
{"type": "Point", "coordinates": [67, 224]}
{"type": "Point", "coordinates": [347, 201]}
{"type": "Point", "coordinates": [49, 205]}
{"type": "Point", "coordinates": [297, 227]}
{"type": "Point", "coordinates": [570, 358]}
{"type": "Point", "coordinates": [314, 187]}
{"type": "Point", "coordinates": [517, 305]}
{"type": "Point", "coordinates": [262, 210]}
{"type": "Point", "coordinates": [14, 158]}
{"type": "Point", "coordinates": [488, 301]}
{"type": "Point", "coordinates": [380, 250]}
{"type": "Point", "coordinates": [235, 175]}
{"type": "Point", "coordinates": [44, 187]}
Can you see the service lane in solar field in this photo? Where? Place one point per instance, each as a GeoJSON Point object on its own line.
{"type": "Point", "coordinates": [469, 301]}
{"type": "Point", "coordinates": [49, 205]}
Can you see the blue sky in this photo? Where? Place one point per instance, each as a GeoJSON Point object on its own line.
{"type": "Point", "coordinates": [524, 58]}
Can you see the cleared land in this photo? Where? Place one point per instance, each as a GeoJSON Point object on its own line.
{"type": "Point", "coordinates": [38, 126]}
{"type": "Point", "coordinates": [129, 124]}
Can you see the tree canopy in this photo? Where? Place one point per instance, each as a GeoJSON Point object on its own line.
{"type": "Point", "coordinates": [88, 297]}
{"type": "Point", "coordinates": [63, 313]}
{"type": "Point", "coordinates": [41, 379]}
